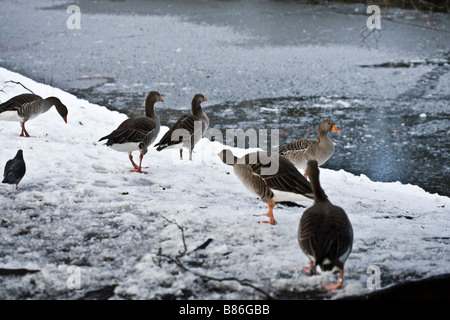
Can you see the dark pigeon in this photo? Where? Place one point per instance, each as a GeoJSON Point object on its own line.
{"type": "Point", "coordinates": [14, 170]}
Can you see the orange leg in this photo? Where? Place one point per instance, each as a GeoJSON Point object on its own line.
{"type": "Point", "coordinates": [24, 132]}
{"type": "Point", "coordinates": [130, 156]}
{"type": "Point", "coordinates": [311, 270]}
{"type": "Point", "coordinates": [138, 169]}
{"type": "Point", "coordinates": [269, 214]}
{"type": "Point", "coordinates": [338, 284]}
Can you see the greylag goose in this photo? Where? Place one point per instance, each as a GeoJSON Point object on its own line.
{"type": "Point", "coordinates": [188, 130]}
{"type": "Point", "coordinates": [137, 133]}
{"type": "Point", "coordinates": [302, 150]}
{"type": "Point", "coordinates": [325, 233]}
{"type": "Point", "coordinates": [271, 176]}
{"type": "Point", "coordinates": [27, 106]}
{"type": "Point", "coordinates": [14, 170]}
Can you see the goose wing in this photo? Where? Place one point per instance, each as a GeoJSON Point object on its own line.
{"type": "Point", "coordinates": [280, 174]}
{"type": "Point", "coordinates": [17, 102]}
{"type": "Point", "coordinates": [184, 125]}
{"type": "Point", "coordinates": [296, 146]}
{"type": "Point", "coordinates": [326, 233]}
{"type": "Point", "coordinates": [131, 130]}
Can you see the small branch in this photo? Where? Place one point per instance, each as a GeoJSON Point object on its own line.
{"type": "Point", "coordinates": [159, 254]}
{"type": "Point", "coordinates": [243, 282]}
{"type": "Point", "coordinates": [181, 253]}
{"type": "Point", "coordinates": [17, 82]}
{"type": "Point", "coordinates": [204, 245]}
{"type": "Point", "coordinates": [176, 260]}
{"type": "Point", "coordinates": [366, 33]}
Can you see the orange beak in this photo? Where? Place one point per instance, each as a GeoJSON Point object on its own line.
{"type": "Point", "coordinates": [205, 99]}
{"type": "Point", "coordinates": [65, 119]}
{"type": "Point", "coordinates": [161, 99]}
{"type": "Point", "coordinates": [335, 129]}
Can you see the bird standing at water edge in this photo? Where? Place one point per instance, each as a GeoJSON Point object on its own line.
{"type": "Point", "coordinates": [14, 170]}
{"type": "Point", "coordinates": [188, 130]}
{"type": "Point", "coordinates": [27, 106]}
{"type": "Point", "coordinates": [299, 152]}
{"type": "Point", "coordinates": [325, 233]}
{"type": "Point", "coordinates": [137, 133]}
{"type": "Point", "coordinates": [271, 176]}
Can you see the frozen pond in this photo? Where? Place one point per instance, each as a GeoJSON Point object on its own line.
{"type": "Point", "coordinates": [81, 226]}
{"type": "Point", "coordinates": [262, 65]}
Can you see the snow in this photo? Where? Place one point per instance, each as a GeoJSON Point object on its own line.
{"type": "Point", "coordinates": [79, 205]}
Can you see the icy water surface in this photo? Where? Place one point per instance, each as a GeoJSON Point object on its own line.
{"type": "Point", "coordinates": [262, 65]}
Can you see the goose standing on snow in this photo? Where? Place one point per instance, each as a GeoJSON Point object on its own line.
{"type": "Point", "coordinates": [188, 130]}
{"type": "Point", "coordinates": [14, 170]}
{"type": "Point", "coordinates": [137, 133]}
{"type": "Point", "coordinates": [325, 233]}
{"type": "Point", "coordinates": [27, 106]}
{"type": "Point", "coordinates": [271, 176]}
{"type": "Point", "coordinates": [299, 152]}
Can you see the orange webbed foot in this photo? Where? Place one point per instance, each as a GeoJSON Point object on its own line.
{"type": "Point", "coordinates": [272, 222]}
{"type": "Point", "coordinates": [138, 170]}
{"type": "Point", "coordinates": [332, 286]}
{"type": "Point", "coordinates": [269, 214]}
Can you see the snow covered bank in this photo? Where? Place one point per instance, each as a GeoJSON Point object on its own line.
{"type": "Point", "coordinates": [88, 226]}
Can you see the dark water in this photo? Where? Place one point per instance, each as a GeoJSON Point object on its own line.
{"type": "Point", "coordinates": [263, 65]}
{"type": "Point", "coordinates": [382, 142]}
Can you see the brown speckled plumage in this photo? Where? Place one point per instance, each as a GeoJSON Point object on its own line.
{"type": "Point", "coordinates": [271, 176]}
{"type": "Point", "coordinates": [299, 152]}
{"type": "Point", "coordinates": [28, 106]}
{"type": "Point", "coordinates": [325, 233]}
{"type": "Point", "coordinates": [188, 130]}
{"type": "Point", "coordinates": [137, 133]}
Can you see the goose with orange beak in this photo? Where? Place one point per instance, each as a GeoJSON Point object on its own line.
{"type": "Point", "coordinates": [27, 106]}
{"type": "Point", "coordinates": [299, 152]}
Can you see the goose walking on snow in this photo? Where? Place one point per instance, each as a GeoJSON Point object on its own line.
{"type": "Point", "coordinates": [271, 176]}
{"type": "Point", "coordinates": [325, 233]}
{"type": "Point", "coordinates": [188, 130]}
{"type": "Point", "coordinates": [137, 133]}
{"type": "Point", "coordinates": [27, 106]}
{"type": "Point", "coordinates": [299, 152]}
{"type": "Point", "coordinates": [14, 170]}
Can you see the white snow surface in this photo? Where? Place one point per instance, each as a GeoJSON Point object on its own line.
{"type": "Point", "coordinates": [80, 206]}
